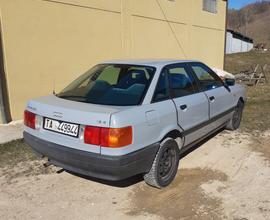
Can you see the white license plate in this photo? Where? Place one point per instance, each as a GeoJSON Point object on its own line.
{"type": "Point", "coordinates": [61, 127]}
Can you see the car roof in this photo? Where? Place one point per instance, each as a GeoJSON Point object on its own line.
{"type": "Point", "coordinates": [148, 62]}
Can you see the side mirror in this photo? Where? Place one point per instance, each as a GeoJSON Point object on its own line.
{"type": "Point", "coordinates": [229, 82]}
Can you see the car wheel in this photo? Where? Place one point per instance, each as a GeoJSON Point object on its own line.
{"type": "Point", "coordinates": [165, 165]}
{"type": "Point", "coordinates": [235, 121]}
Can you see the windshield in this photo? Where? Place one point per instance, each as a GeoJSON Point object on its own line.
{"type": "Point", "coordinates": [111, 84]}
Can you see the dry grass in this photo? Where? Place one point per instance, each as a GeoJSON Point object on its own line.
{"type": "Point", "coordinates": [14, 152]}
{"type": "Point", "coordinates": [257, 112]}
{"type": "Point", "coordinates": [243, 61]}
{"type": "Point", "coordinates": [18, 160]}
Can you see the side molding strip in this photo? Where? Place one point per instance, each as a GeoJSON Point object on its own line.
{"type": "Point", "coordinates": [197, 127]}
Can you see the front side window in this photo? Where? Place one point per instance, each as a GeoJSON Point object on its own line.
{"type": "Point", "coordinates": [210, 6]}
{"type": "Point", "coordinates": [111, 84]}
{"type": "Point", "coordinates": [207, 78]}
{"type": "Point", "coordinates": [181, 83]}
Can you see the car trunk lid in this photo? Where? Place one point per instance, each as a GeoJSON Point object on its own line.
{"type": "Point", "coordinates": [74, 112]}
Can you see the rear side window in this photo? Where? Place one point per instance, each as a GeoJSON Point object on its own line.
{"type": "Point", "coordinates": [111, 84]}
{"type": "Point", "coordinates": [207, 78]}
{"type": "Point", "coordinates": [181, 83]}
{"type": "Point", "coordinates": [162, 88]}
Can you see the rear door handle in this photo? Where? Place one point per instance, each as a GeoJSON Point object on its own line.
{"type": "Point", "coordinates": [212, 98]}
{"type": "Point", "coordinates": [183, 107]}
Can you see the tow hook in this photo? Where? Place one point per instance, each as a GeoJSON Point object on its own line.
{"type": "Point", "coordinates": [47, 164]}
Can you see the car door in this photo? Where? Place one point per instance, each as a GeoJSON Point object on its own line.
{"type": "Point", "coordinates": [220, 98]}
{"type": "Point", "coordinates": [192, 105]}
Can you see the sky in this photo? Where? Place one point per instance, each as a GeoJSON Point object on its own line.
{"type": "Point", "coordinates": [236, 4]}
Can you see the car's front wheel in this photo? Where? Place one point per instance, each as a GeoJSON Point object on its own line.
{"type": "Point", "coordinates": [165, 165]}
{"type": "Point", "coordinates": [235, 121]}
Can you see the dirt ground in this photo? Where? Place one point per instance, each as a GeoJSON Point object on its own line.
{"type": "Point", "coordinates": [227, 177]}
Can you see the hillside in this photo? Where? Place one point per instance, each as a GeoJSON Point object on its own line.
{"type": "Point", "coordinates": [253, 21]}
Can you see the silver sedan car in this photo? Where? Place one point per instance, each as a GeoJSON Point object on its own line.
{"type": "Point", "coordinates": [129, 117]}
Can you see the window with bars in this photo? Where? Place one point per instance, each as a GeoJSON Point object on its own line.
{"type": "Point", "coordinates": [210, 6]}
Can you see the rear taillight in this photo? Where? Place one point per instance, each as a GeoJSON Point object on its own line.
{"type": "Point", "coordinates": [29, 119]}
{"type": "Point", "coordinates": [116, 137]}
{"type": "Point", "coordinates": [108, 137]}
{"type": "Point", "coordinates": [92, 135]}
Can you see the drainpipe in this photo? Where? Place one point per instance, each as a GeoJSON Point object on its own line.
{"type": "Point", "coordinates": [2, 110]}
{"type": "Point", "coordinates": [4, 99]}
{"type": "Point", "coordinates": [225, 40]}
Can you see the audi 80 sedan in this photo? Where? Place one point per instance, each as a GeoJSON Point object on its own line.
{"type": "Point", "coordinates": [129, 117]}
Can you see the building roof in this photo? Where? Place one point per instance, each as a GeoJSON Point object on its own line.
{"type": "Point", "coordinates": [240, 36]}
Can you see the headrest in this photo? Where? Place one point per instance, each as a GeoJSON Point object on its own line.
{"type": "Point", "coordinates": [178, 81]}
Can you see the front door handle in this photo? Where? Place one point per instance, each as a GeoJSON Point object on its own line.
{"type": "Point", "coordinates": [212, 98]}
{"type": "Point", "coordinates": [183, 107]}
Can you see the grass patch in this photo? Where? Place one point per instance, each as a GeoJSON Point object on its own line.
{"type": "Point", "coordinates": [14, 152]}
{"type": "Point", "coordinates": [18, 160]}
{"type": "Point", "coordinates": [243, 61]}
{"type": "Point", "coordinates": [257, 110]}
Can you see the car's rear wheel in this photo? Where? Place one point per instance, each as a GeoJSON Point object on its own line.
{"type": "Point", "coordinates": [165, 165]}
{"type": "Point", "coordinates": [236, 119]}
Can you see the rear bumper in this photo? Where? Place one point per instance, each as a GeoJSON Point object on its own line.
{"type": "Point", "coordinates": [91, 164]}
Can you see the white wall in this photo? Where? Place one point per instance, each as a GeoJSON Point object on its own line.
{"type": "Point", "coordinates": [234, 45]}
{"type": "Point", "coordinates": [250, 46]}
{"type": "Point", "coordinates": [229, 38]}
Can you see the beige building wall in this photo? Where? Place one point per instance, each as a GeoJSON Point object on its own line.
{"type": "Point", "coordinates": [49, 43]}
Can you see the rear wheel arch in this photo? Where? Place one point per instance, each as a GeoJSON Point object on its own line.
{"type": "Point", "coordinates": [173, 134]}
{"type": "Point", "coordinates": [241, 99]}
{"type": "Point", "coordinates": [176, 135]}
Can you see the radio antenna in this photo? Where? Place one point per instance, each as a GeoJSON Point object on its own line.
{"type": "Point", "coordinates": [53, 87]}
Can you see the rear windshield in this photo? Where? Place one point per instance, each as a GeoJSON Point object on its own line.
{"type": "Point", "coordinates": [111, 84]}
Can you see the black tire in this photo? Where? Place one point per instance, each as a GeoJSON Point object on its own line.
{"type": "Point", "coordinates": [236, 119]}
{"type": "Point", "coordinates": [165, 165]}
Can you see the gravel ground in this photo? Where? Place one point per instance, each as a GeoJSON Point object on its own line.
{"type": "Point", "coordinates": [224, 178]}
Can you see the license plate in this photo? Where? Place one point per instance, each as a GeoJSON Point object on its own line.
{"type": "Point", "coordinates": [61, 127]}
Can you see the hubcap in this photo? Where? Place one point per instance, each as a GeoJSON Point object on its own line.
{"type": "Point", "coordinates": [166, 163]}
